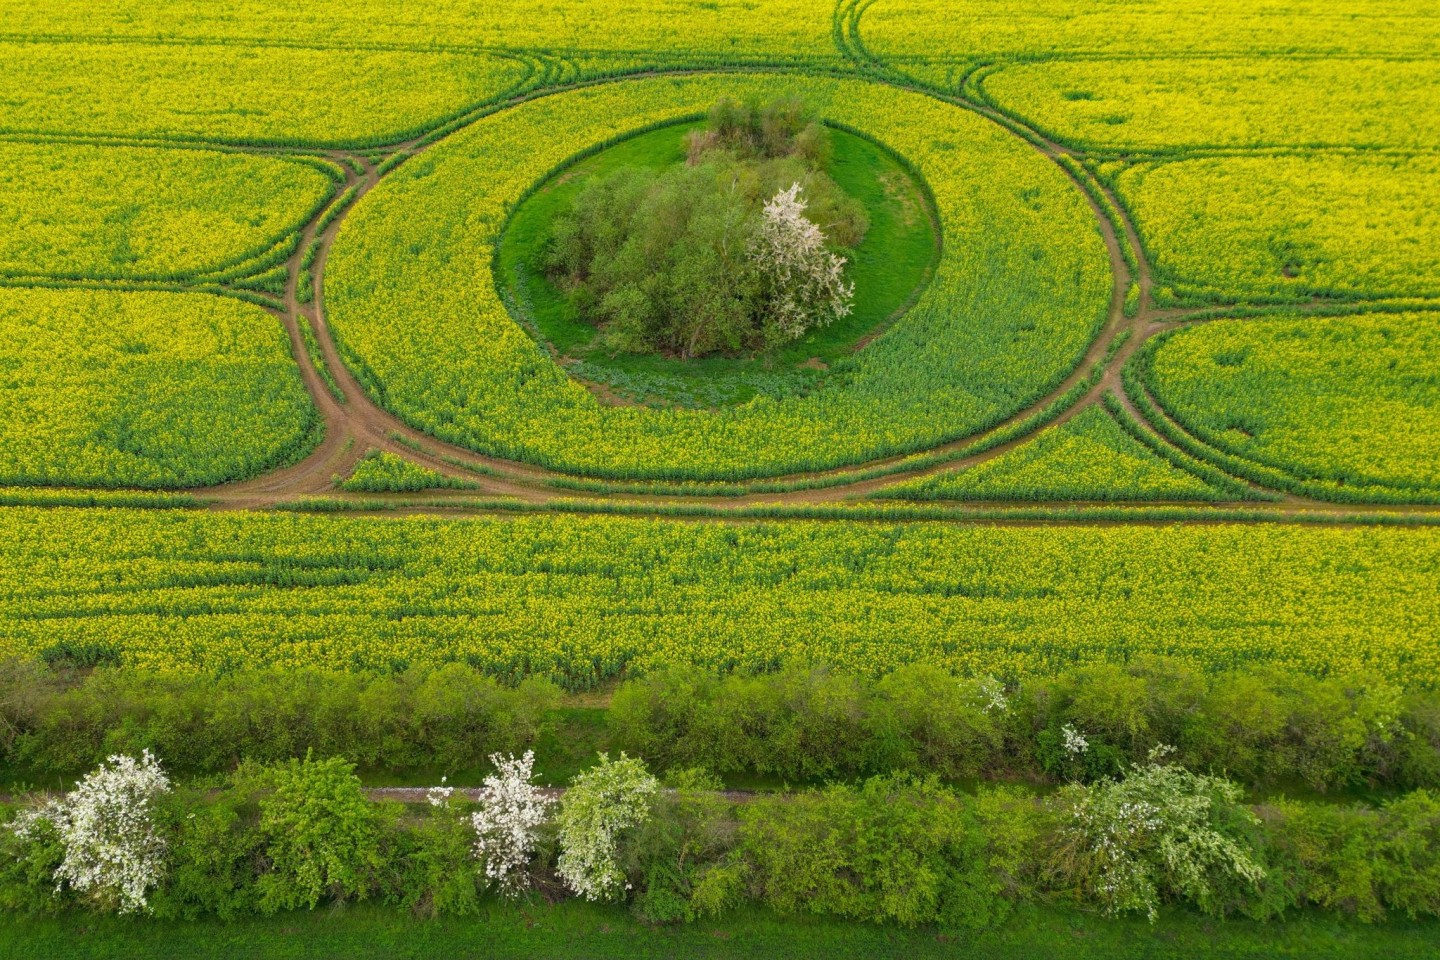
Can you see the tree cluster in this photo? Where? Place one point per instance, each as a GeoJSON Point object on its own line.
{"type": "Point", "coordinates": [733, 250]}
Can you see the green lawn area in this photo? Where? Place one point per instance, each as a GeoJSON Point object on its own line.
{"type": "Point", "coordinates": [578, 930]}
{"type": "Point", "coordinates": [889, 268]}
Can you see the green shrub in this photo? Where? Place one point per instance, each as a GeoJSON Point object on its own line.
{"type": "Point", "coordinates": [322, 836]}
{"type": "Point", "coordinates": [216, 852]}
{"type": "Point", "coordinates": [678, 860]}
{"type": "Point", "coordinates": [450, 717]}
{"type": "Point", "coordinates": [27, 868]}
{"type": "Point", "coordinates": [1162, 833]}
{"type": "Point", "coordinates": [893, 849]}
{"type": "Point", "coordinates": [430, 866]}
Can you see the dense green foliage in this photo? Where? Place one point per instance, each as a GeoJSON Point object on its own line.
{"type": "Point", "coordinates": [449, 718]}
{"type": "Point", "coordinates": [583, 598]}
{"type": "Point", "coordinates": [144, 389]}
{"type": "Point", "coordinates": [670, 260]}
{"type": "Point", "coordinates": [1263, 727]}
{"type": "Point", "coordinates": [889, 850]}
{"type": "Point", "coordinates": [1341, 408]}
{"type": "Point", "coordinates": [889, 268]}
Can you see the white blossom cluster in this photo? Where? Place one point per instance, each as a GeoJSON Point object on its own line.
{"type": "Point", "coordinates": [112, 850]}
{"type": "Point", "coordinates": [991, 694]}
{"type": "Point", "coordinates": [807, 280]}
{"type": "Point", "coordinates": [439, 796]}
{"type": "Point", "coordinates": [1155, 827]}
{"type": "Point", "coordinates": [1075, 742]}
{"type": "Point", "coordinates": [605, 800]}
{"type": "Point", "coordinates": [512, 810]}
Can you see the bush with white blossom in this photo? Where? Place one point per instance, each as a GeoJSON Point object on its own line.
{"type": "Point", "coordinates": [602, 803]}
{"type": "Point", "coordinates": [806, 281]}
{"type": "Point", "coordinates": [507, 825]}
{"type": "Point", "coordinates": [113, 852]}
{"type": "Point", "coordinates": [1161, 831]}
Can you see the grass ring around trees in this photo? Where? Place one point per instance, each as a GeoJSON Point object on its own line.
{"type": "Point", "coordinates": [1020, 291]}
{"type": "Point", "coordinates": [889, 268]}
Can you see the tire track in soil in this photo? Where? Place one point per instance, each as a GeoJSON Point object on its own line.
{"type": "Point", "coordinates": [352, 428]}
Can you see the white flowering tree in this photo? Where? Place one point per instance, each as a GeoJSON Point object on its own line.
{"type": "Point", "coordinates": [112, 850]}
{"type": "Point", "coordinates": [507, 825]}
{"type": "Point", "coordinates": [603, 802]}
{"type": "Point", "coordinates": [806, 282]}
{"type": "Point", "coordinates": [1160, 830]}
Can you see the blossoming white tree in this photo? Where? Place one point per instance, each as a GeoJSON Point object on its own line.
{"type": "Point", "coordinates": [806, 281]}
{"type": "Point", "coordinates": [112, 850]}
{"type": "Point", "coordinates": [512, 809]}
{"type": "Point", "coordinates": [1162, 828]}
{"type": "Point", "coordinates": [602, 802]}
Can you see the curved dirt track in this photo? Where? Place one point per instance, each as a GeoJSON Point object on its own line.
{"type": "Point", "coordinates": [357, 425]}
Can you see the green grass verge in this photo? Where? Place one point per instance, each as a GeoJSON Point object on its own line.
{"type": "Point", "coordinates": [578, 930]}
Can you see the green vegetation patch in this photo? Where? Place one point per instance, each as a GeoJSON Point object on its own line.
{"type": "Point", "coordinates": [1345, 405]}
{"type": "Point", "coordinates": [144, 389]}
{"type": "Point", "coordinates": [1089, 457]}
{"type": "Point", "coordinates": [583, 931]}
{"type": "Point", "coordinates": [895, 257]}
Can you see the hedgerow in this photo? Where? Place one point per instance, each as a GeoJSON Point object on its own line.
{"type": "Point", "coordinates": [894, 849]}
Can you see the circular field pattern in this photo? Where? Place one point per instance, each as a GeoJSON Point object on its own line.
{"type": "Point", "coordinates": [890, 266]}
{"type": "Point", "coordinates": [1020, 291]}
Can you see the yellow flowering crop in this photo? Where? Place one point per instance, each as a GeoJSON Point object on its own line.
{"type": "Point", "coordinates": [144, 389]}
{"type": "Point", "coordinates": [587, 598]}
{"type": "Point", "coordinates": [1020, 291]}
